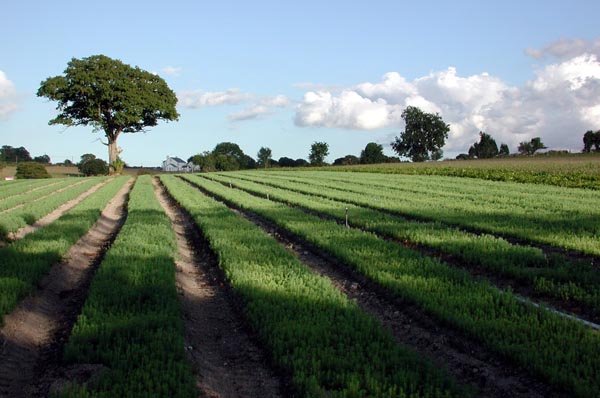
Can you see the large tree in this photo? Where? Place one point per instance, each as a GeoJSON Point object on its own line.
{"type": "Point", "coordinates": [233, 150]}
{"type": "Point", "coordinates": [373, 153]}
{"type": "Point", "coordinates": [591, 140]}
{"type": "Point", "coordinates": [110, 96]}
{"type": "Point", "coordinates": [10, 154]}
{"type": "Point", "coordinates": [424, 136]}
{"type": "Point", "coordinates": [318, 153]}
{"type": "Point", "coordinates": [531, 147]}
{"type": "Point", "coordinates": [484, 149]}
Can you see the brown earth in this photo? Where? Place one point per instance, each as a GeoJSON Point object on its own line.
{"type": "Point", "coordinates": [34, 334]}
{"type": "Point", "coordinates": [227, 361]}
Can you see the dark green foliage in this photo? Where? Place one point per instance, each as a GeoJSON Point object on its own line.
{"type": "Point", "coordinates": [264, 157]}
{"type": "Point", "coordinates": [484, 149]}
{"type": "Point", "coordinates": [318, 153]}
{"type": "Point", "coordinates": [504, 151]}
{"type": "Point", "coordinates": [131, 321]}
{"type": "Point", "coordinates": [301, 162]}
{"type": "Point", "coordinates": [93, 167]}
{"type": "Point", "coordinates": [9, 154]}
{"type": "Point", "coordinates": [346, 161]}
{"type": "Point", "coordinates": [424, 136]}
{"type": "Point", "coordinates": [206, 160]}
{"type": "Point", "coordinates": [233, 153]}
{"type": "Point", "coordinates": [591, 141]}
{"type": "Point", "coordinates": [110, 96]}
{"type": "Point", "coordinates": [287, 162]}
{"type": "Point", "coordinates": [531, 147]}
{"type": "Point", "coordinates": [373, 153]}
{"type": "Point", "coordinates": [45, 159]}
{"type": "Point", "coordinates": [31, 170]}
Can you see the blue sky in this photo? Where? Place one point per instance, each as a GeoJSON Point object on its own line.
{"type": "Point", "coordinates": [286, 74]}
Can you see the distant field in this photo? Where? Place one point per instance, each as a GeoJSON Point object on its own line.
{"type": "Point", "coordinates": [576, 170]}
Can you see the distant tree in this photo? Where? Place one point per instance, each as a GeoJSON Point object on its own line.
{"type": "Point", "coordinates": [591, 139]}
{"type": "Point", "coordinates": [68, 162]}
{"type": "Point", "coordinates": [264, 157]}
{"type": "Point", "coordinates": [232, 149]}
{"type": "Point", "coordinates": [287, 162]}
{"type": "Point", "coordinates": [424, 136]}
{"type": "Point", "coordinates": [42, 159]}
{"type": "Point", "coordinates": [111, 97]}
{"type": "Point", "coordinates": [85, 157]}
{"type": "Point", "coordinates": [249, 162]}
{"type": "Point", "coordinates": [301, 162]}
{"type": "Point", "coordinates": [94, 167]}
{"type": "Point", "coordinates": [484, 149]}
{"type": "Point", "coordinates": [531, 147]}
{"type": "Point", "coordinates": [27, 170]}
{"type": "Point", "coordinates": [373, 153]}
{"type": "Point", "coordinates": [10, 154]}
{"type": "Point", "coordinates": [206, 161]}
{"type": "Point", "coordinates": [318, 153]}
{"type": "Point", "coordinates": [463, 156]}
{"type": "Point", "coordinates": [504, 151]}
{"type": "Point", "coordinates": [346, 161]}
{"type": "Point", "coordinates": [226, 162]}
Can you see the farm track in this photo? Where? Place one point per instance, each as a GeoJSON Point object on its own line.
{"type": "Point", "coordinates": [466, 360]}
{"type": "Point", "coordinates": [227, 362]}
{"type": "Point", "coordinates": [55, 214]}
{"type": "Point", "coordinates": [34, 334]}
{"type": "Point", "coordinates": [568, 254]}
{"type": "Point", "coordinates": [577, 310]}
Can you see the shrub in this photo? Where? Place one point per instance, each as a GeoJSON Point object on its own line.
{"type": "Point", "coordinates": [31, 170]}
{"type": "Point", "coordinates": [94, 167]}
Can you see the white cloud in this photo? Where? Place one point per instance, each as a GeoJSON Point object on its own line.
{"type": "Point", "coordinates": [559, 104]}
{"type": "Point", "coordinates": [263, 108]}
{"type": "Point", "coordinates": [200, 99]}
{"type": "Point", "coordinates": [564, 49]}
{"type": "Point", "coordinates": [173, 71]}
{"type": "Point", "coordinates": [8, 97]}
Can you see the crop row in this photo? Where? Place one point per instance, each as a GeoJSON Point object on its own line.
{"type": "Point", "coordinates": [31, 212]}
{"type": "Point", "coordinates": [572, 227]}
{"type": "Point", "coordinates": [315, 334]}
{"type": "Point", "coordinates": [551, 276]}
{"type": "Point", "coordinates": [39, 192]}
{"type": "Point", "coordinates": [576, 173]}
{"type": "Point", "coordinates": [24, 262]}
{"type": "Point", "coordinates": [12, 188]}
{"type": "Point", "coordinates": [131, 321]}
{"type": "Point", "coordinates": [563, 352]}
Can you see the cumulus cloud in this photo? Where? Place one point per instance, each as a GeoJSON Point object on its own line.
{"type": "Point", "coordinates": [200, 99]}
{"type": "Point", "coordinates": [173, 71]}
{"type": "Point", "coordinates": [8, 96]}
{"type": "Point", "coordinates": [564, 49]}
{"type": "Point", "coordinates": [265, 106]}
{"type": "Point", "coordinates": [559, 104]}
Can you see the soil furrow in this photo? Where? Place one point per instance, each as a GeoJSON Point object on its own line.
{"type": "Point", "coordinates": [34, 334]}
{"type": "Point", "coordinates": [466, 360]}
{"type": "Point", "coordinates": [55, 214]}
{"type": "Point", "coordinates": [577, 311]}
{"type": "Point", "coordinates": [227, 361]}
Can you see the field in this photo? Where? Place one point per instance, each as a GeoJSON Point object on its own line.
{"type": "Point", "coordinates": [304, 283]}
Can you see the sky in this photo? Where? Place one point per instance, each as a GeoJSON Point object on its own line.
{"type": "Point", "coordinates": [286, 74]}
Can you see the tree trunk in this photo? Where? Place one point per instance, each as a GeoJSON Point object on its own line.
{"type": "Point", "coordinates": [113, 152]}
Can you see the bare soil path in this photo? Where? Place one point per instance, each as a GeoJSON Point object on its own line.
{"type": "Point", "coordinates": [227, 361]}
{"type": "Point", "coordinates": [467, 361]}
{"type": "Point", "coordinates": [34, 334]}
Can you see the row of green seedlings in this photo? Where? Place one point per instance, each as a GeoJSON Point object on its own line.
{"type": "Point", "coordinates": [33, 211]}
{"type": "Point", "coordinates": [563, 352]}
{"type": "Point", "coordinates": [13, 188]}
{"type": "Point", "coordinates": [30, 196]}
{"type": "Point", "coordinates": [327, 345]}
{"type": "Point", "coordinates": [24, 262]}
{"type": "Point", "coordinates": [554, 276]}
{"type": "Point", "coordinates": [131, 321]}
{"type": "Point", "coordinates": [574, 227]}
{"type": "Point", "coordinates": [574, 178]}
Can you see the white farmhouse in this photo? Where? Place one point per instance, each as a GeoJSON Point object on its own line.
{"type": "Point", "coordinates": [178, 165]}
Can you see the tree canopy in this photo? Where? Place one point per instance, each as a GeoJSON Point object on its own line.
{"type": "Point", "coordinates": [373, 153]}
{"type": "Point", "coordinates": [531, 147]}
{"type": "Point", "coordinates": [591, 140]}
{"type": "Point", "coordinates": [318, 153]}
{"type": "Point", "coordinates": [484, 149]}
{"type": "Point", "coordinates": [424, 135]}
{"type": "Point", "coordinates": [264, 157]}
{"type": "Point", "coordinates": [110, 96]}
{"type": "Point", "coordinates": [10, 154]}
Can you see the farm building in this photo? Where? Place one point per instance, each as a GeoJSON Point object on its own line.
{"type": "Point", "coordinates": [178, 165]}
